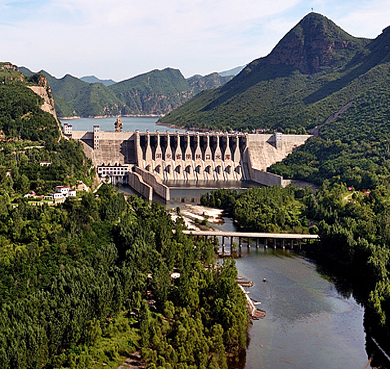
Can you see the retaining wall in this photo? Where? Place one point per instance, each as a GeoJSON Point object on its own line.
{"type": "Point", "coordinates": [136, 182]}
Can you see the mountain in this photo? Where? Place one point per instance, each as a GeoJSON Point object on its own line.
{"type": "Point", "coordinates": [93, 79]}
{"type": "Point", "coordinates": [76, 97]}
{"type": "Point", "coordinates": [160, 91]}
{"type": "Point", "coordinates": [154, 93]}
{"type": "Point", "coordinates": [26, 106]}
{"type": "Point", "coordinates": [231, 72]}
{"type": "Point", "coordinates": [312, 73]}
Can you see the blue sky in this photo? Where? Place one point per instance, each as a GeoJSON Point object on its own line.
{"type": "Point", "coordinates": [123, 38]}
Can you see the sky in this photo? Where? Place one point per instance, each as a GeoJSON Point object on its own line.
{"type": "Point", "coordinates": [119, 39]}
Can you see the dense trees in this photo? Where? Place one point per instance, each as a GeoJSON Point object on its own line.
{"type": "Point", "coordinates": [266, 209]}
{"type": "Point", "coordinates": [98, 270]}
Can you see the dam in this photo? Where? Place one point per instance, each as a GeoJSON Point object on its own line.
{"type": "Point", "coordinates": [148, 160]}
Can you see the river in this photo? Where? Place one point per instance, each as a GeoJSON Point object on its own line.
{"type": "Point", "coordinates": [309, 323]}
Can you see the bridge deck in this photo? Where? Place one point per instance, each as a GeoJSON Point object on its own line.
{"type": "Point", "coordinates": [295, 236]}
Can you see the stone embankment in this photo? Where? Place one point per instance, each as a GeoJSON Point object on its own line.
{"type": "Point", "coordinates": [253, 311]}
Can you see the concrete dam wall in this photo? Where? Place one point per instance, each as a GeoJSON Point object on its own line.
{"type": "Point", "coordinates": [157, 157]}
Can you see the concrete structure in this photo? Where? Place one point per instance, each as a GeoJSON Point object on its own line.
{"type": "Point", "coordinates": [114, 173]}
{"type": "Point", "coordinates": [280, 238]}
{"type": "Point", "coordinates": [68, 129]}
{"type": "Point", "coordinates": [158, 157]}
{"type": "Point", "coordinates": [45, 163]}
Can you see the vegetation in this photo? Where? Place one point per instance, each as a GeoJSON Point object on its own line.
{"type": "Point", "coordinates": [156, 92]}
{"type": "Point", "coordinates": [88, 282]}
{"type": "Point", "coordinates": [92, 283]}
{"type": "Point", "coordinates": [267, 209]}
{"type": "Point", "coordinates": [313, 72]}
{"type": "Point", "coordinates": [353, 149]}
{"type": "Point", "coordinates": [30, 136]}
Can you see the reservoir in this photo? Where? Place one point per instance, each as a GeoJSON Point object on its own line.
{"type": "Point", "coordinates": [130, 124]}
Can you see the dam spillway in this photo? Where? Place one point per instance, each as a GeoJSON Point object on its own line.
{"type": "Point", "coordinates": [153, 158]}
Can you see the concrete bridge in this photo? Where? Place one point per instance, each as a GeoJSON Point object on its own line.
{"type": "Point", "coordinates": [155, 157]}
{"type": "Point", "coordinates": [275, 238]}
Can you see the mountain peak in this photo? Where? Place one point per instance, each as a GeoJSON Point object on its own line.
{"type": "Point", "coordinates": [314, 43]}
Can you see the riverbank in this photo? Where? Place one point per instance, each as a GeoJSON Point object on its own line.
{"type": "Point", "coordinates": [197, 217]}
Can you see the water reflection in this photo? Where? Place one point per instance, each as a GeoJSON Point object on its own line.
{"type": "Point", "coordinates": [308, 323]}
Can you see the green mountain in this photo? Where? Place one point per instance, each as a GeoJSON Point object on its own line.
{"type": "Point", "coordinates": [93, 79]}
{"type": "Point", "coordinates": [313, 72]}
{"type": "Point", "coordinates": [160, 91]}
{"type": "Point", "coordinates": [76, 97]}
{"type": "Point", "coordinates": [153, 93]}
{"type": "Point", "coordinates": [21, 116]}
{"type": "Point", "coordinates": [30, 134]}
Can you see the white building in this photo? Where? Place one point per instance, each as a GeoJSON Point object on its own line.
{"type": "Point", "coordinates": [68, 129]}
{"type": "Point", "coordinates": [62, 190]}
{"type": "Point", "coordinates": [116, 173]}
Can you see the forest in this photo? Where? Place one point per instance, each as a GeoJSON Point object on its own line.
{"type": "Point", "coordinates": [89, 282]}
{"type": "Point", "coordinates": [354, 227]}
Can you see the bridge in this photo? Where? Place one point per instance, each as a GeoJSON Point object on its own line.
{"type": "Point", "coordinates": [257, 236]}
{"type": "Point", "coordinates": [151, 159]}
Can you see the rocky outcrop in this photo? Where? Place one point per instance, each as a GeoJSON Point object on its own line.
{"type": "Point", "coordinates": [42, 89]}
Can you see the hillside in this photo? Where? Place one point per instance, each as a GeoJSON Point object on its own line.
{"type": "Point", "coordinates": [154, 93]}
{"type": "Point", "coordinates": [315, 70]}
{"type": "Point", "coordinates": [93, 79]}
{"type": "Point", "coordinates": [30, 134]}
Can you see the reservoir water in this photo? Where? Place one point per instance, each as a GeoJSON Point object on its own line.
{"type": "Point", "coordinates": [130, 124]}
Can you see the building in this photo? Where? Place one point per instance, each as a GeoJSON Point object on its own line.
{"type": "Point", "coordinates": [116, 173]}
{"type": "Point", "coordinates": [63, 190]}
{"type": "Point", "coordinates": [68, 129]}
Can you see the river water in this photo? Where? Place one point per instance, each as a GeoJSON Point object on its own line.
{"type": "Point", "coordinates": [309, 323]}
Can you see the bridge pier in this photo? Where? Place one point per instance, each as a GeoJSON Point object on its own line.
{"type": "Point", "coordinates": [284, 247]}
{"type": "Point", "coordinates": [239, 242]}
{"type": "Point", "coordinates": [266, 243]}
{"type": "Point", "coordinates": [257, 243]}
{"type": "Point", "coordinates": [292, 244]}
{"type": "Point", "coordinates": [275, 243]}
